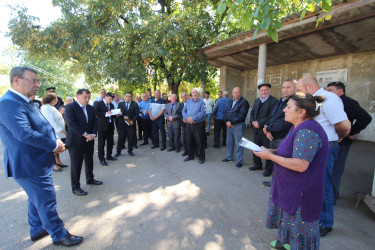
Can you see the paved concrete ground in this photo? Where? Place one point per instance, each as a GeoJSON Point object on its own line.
{"type": "Point", "coordinates": [156, 201]}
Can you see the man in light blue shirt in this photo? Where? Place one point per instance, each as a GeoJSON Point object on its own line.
{"type": "Point", "coordinates": [218, 113]}
{"type": "Point", "coordinates": [144, 106]}
{"type": "Point", "coordinates": [193, 114]}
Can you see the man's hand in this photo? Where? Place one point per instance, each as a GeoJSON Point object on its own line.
{"type": "Point", "coordinates": [190, 120]}
{"type": "Point", "coordinates": [184, 120]}
{"type": "Point", "coordinates": [265, 129]}
{"type": "Point", "coordinates": [126, 118]}
{"type": "Point", "coordinates": [130, 123]}
{"type": "Point", "coordinates": [60, 147]}
{"type": "Point", "coordinates": [269, 136]}
{"type": "Point", "coordinates": [255, 124]}
{"type": "Point", "coordinates": [109, 112]}
{"type": "Point", "coordinates": [89, 137]}
{"type": "Point", "coordinates": [229, 124]}
{"type": "Point", "coordinates": [170, 119]}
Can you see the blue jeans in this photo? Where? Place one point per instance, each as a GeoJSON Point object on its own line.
{"type": "Point", "coordinates": [208, 118]}
{"type": "Point", "coordinates": [234, 136]}
{"type": "Point", "coordinates": [338, 168]}
{"type": "Point", "coordinates": [157, 125]}
{"type": "Point", "coordinates": [42, 211]}
{"type": "Point", "coordinates": [326, 217]}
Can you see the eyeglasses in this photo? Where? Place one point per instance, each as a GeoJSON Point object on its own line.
{"type": "Point", "coordinates": [34, 81]}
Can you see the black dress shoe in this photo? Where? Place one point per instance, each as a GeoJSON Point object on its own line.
{"type": "Point", "coordinates": [94, 182]}
{"type": "Point", "coordinates": [324, 230]}
{"type": "Point", "coordinates": [103, 163]}
{"type": "Point", "coordinates": [216, 146]}
{"type": "Point", "coordinates": [267, 172]}
{"type": "Point", "coordinates": [188, 159]}
{"type": "Point", "coordinates": [111, 158]}
{"type": "Point", "coordinates": [62, 165]}
{"type": "Point", "coordinates": [178, 150]}
{"type": "Point", "coordinates": [184, 154]}
{"type": "Point", "coordinates": [253, 168]}
{"type": "Point", "coordinates": [131, 154]}
{"type": "Point", "coordinates": [201, 161]}
{"type": "Point", "coordinates": [69, 240]}
{"type": "Point", "coordinates": [79, 192]}
{"type": "Point", "coordinates": [140, 139]}
{"type": "Point", "coordinates": [196, 154]}
{"type": "Point", "coordinates": [153, 147]}
{"type": "Point", "coordinates": [171, 149]}
{"type": "Point", "coordinates": [162, 148]}
{"type": "Point", "coordinates": [266, 183]}
{"type": "Point", "coordinates": [117, 154]}
{"type": "Point", "coordinates": [142, 144]}
{"type": "Point", "coordinates": [226, 160]}
{"type": "Point", "coordinates": [43, 234]}
{"type": "Point", "coordinates": [239, 165]}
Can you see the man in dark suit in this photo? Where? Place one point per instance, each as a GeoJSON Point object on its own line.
{"type": "Point", "coordinates": [173, 124]}
{"type": "Point", "coordinates": [106, 127]}
{"type": "Point", "coordinates": [127, 124]}
{"type": "Point", "coordinates": [259, 115]}
{"type": "Point", "coordinates": [29, 147]}
{"type": "Point", "coordinates": [234, 116]}
{"type": "Point", "coordinates": [276, 127]}
{"type": "Point", "coordinates": [184, 98]}
{"type": "Point", "coordinates": [81, 120]}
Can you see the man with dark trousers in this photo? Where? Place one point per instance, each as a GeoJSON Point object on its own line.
{"type": "Point", "coordinates": [144, 106]}
{"type": "Point", "coordinates": [127, 124]}
{"type": "Point", "coordinates": [106, 127]}
{"type": "Point", "coordinates": [259, 115]}
{"type": "Point", "coordinates": [234, 116]}
{"type": "Point", "coordinates": [80, 139]}
{"type": "Point", "coordinates": [29, 146]}
{"type": "Point", "coordinates": [219, 124]}
{"type": "Point", "coordinates": [184, 98]}
{"type": "Point", "coordinates": [276, 127]}
{"type": "Point", "coordinates": [355, 113]}
{"type": "Point", "coordinates": [156, 113]}
{"type": "Point", "coordinates": [193, 114]}
{"type": "Point", "coordinates": [173, 124]}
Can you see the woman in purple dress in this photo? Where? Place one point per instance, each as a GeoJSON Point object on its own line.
{"type": "Point", "coordinates": [297, 191]}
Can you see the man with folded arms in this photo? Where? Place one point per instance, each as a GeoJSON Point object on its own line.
{"type": "Point", "coordinates": [29, 147]}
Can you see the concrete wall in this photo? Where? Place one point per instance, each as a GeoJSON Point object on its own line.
{"type": "Point", "coordinates": [359, 86]}
{"type": "Point", "coordinates": [230, 78]}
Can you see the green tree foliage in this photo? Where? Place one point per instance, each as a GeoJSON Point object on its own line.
{"type": "Point", "coordinates": [133, 44]}
{"type": "Point", "coordinates": [267, 14]}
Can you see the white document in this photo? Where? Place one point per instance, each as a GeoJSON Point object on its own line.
{"type": "Point", "coordinates": [250, 145]}
{"type": "Point", "coordinates": [114, 112]}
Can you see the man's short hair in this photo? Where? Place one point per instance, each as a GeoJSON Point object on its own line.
{"type": "Point", "coordinates": [207, 92]}
{"type": "Point", "coordinates": [131, 94]}
{"type": "Point", "coordinates": [18, 72]}
{"type": "Point", "coordinates": [110, 94]}
{"type": "Point", "coordinates": [80, 91]}
{"type": "Point", "coordinates": [225, 93]}
{"type": "Point", "coordinates": [338, 85]}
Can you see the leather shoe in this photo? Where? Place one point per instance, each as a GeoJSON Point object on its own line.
{"type": "Point", "coordinates": [267, 172]}
{"type": "Point", "coordinates": [153, 147]}
{"type": "Point", "coordinates": [253, 168]}
{"type": "Point", "coordinates": [324, 230]}
{"type": "Point", "coordinates": [39, 236]}
{"type": "Point", "coordinates": [188, 159]}
{"type": "Point", "coordinates": [117, 154]}
{"type": "Point", "coordinates": [184, 154]}
{"type": "Point", "coordinates": [162, 148]}
{"type": "Point", "coordinates": [178, 150]}
{"type": "Point", "coordinates": [201, 161]}
{"type": "Point", "coordinates": [216, 146]}
{"type": "Point", "coordinates": [196, 154]}
{"type": "Point", "coordinates": [103, 163]}
{"type": "Point", "coordinates": [69, 240]}
{"type": "Point", "coordinates": [171, 149]}
{"type": "Point", "coordinates": [131, 154]}
{"type": "Point", "coordinates": [226, 160]}
{"type": "Point", "coordinates": [142, 144]}
{"type": "Point", "coordinates": [94, 182]}
{"type": "Point", "coordinates": [238, 165]}
{"type": "Point", "coordinates": [62, 165]}
{"type": "Point", "coordinates": [111, 158]}
{"type": "Point", "coordinates": [79, 192]}
{"type": "Point", "coordinates": [266, 183]}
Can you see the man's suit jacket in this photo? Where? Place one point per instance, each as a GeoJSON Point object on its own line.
{"type": "Point", "coordinates": [238, 113]}
{"type": "Point", "coordinates": [100, 111]}
{"type": "Point", "coordinates": [76, 120]}
{"type": "Point", "coordinates": [277, 124]}
{"type": "Point", "coordinates": [174, 113]}
{"type": "Point", "coordinates": [27, 136]}
{"type": "Point", "coordinates": [132, 113]}
{"type": "Point", "coordinates": [179, 112]}
{"type": "Point", "coordinates": [262, 114]}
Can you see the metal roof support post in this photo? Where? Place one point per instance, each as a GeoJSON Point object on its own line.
{"type": "Point", "coordinates": [262, 58]}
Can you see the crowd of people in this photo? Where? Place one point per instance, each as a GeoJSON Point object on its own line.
{"type": "Point", "coordinates": [305, 137]}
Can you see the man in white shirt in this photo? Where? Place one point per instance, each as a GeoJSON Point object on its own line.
{"type": "Point", "coordinates": [209, 106]}
{"type": "Point", "coordinates": [335, 123]}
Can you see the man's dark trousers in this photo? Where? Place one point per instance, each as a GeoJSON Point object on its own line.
{"type": "Point", "coordinates": [77, 154]}
{"type": "Point", "coordinates": [158, 124]}
{"type": "Point", "coordinates": [195, 134]}
{"type": "Point", "coordinates": [103, 136]}
{"type": "Point", "coordinates": [218, 125]}
{"type": "Point", "coordinates": [147, 128]}
{"type": "Point", "coordinates": [261, 139]}
{"type": "Point", "coordinates": [129, 132]}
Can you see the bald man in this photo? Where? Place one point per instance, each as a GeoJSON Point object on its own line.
{"type": "Point", "coordinates": [335, 123]}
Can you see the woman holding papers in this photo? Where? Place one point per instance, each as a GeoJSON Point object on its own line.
{"type": "Point", "coordinates": [55, 118]}
{"type": "Point", "coordinates": [296, 197]}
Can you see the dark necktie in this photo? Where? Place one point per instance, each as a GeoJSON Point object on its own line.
{"type": "Point", "coordinates": [85, 113]}
{"type": "Point", "coordinates": [127, 106]}
{"type": "Point", "coordinates": [172, 108]}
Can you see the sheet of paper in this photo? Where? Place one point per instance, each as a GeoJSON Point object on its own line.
{"type": "Point", "coordinates": [114, 112]}
{"type": "Point", "coordinates": [250, 145]}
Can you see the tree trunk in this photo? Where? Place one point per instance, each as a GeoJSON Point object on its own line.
{"type": "Point", "coordinates": [203, 88]}
{"type": "Point", "coordinates": [173, 87]}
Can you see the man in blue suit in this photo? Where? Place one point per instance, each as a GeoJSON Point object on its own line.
{"type": "Point", "coordinates": [234, 116]}
{"type": "Point", "coordinates": [29, 147]}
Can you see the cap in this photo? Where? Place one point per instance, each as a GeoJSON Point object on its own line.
{"type": "Point", "coordinates": [264, 84]}
{"type": "Point", "coordinates": [51, 88]}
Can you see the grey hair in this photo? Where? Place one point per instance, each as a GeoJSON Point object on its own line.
{"type": "Point", "coordinates": [18, 72]}
{"type": "Point", "coordinates": [225, 93]}
{"type": "Point", "coordinates": [174, 95]}
{"type": "Point", "coordinates": [195, 89]}
{"type": "Point", "coordinates": [69, 97]}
